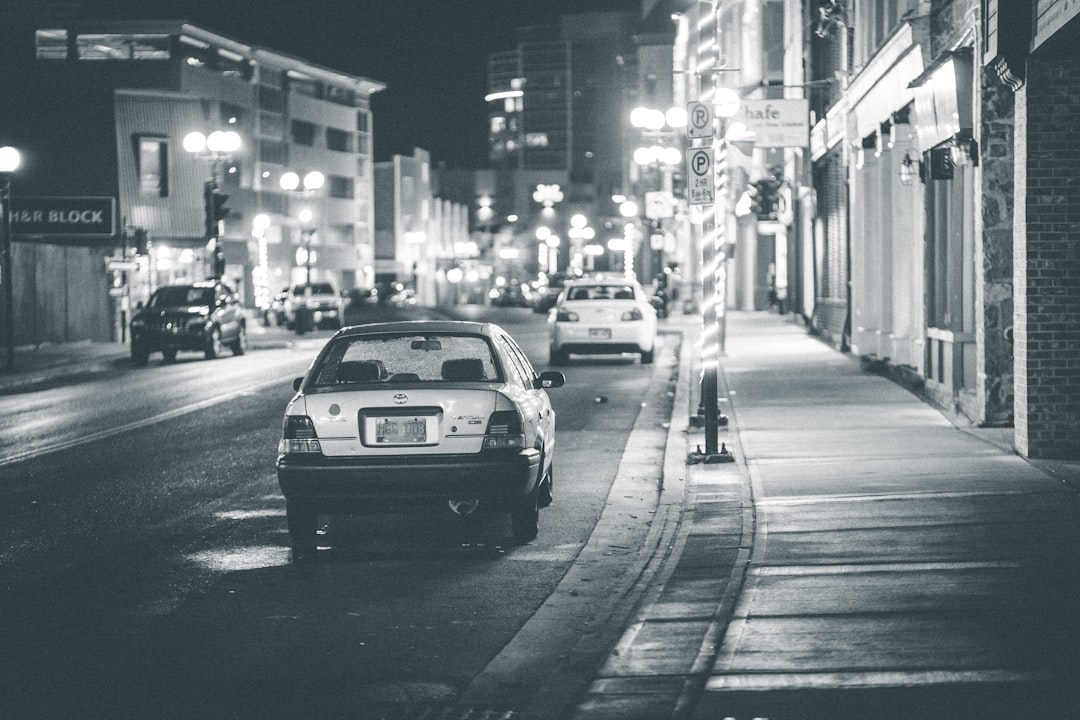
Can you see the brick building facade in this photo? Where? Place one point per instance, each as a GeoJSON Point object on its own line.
{"type": "Point", "coordinates": [1046, 258]}
{"type": "Point", "coordinates": [973, 103]}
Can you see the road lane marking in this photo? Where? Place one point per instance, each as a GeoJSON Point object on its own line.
{"type": "Point", "coordinates": [893, 567]}
{"type": "Point", "coordinates": [787, 500]}
{"type": "Point", "coordinates": [137, 424]}
{"type": "Point", "coordinates": [837, 680]}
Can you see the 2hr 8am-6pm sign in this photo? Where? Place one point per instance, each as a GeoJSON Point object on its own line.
{"type": "Point", "coordinates": [90, 217]}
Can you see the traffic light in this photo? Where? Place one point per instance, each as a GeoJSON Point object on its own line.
{"type": "Point", "coordinates": [214, 204]}
{"type": "Point", "coordinates": [765, 195]}
{"type": "Point", "coordinates": [140, 238]}
{"type": "Point", "coordinates": [216, 211]}
{"type": "Point", "coordinates": [753, 192]}
{"type": "Point", "coordinates": [218, 257]}
{"type": "Point", "coordinates": [208, 208]}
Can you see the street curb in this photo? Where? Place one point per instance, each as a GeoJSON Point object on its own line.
{"type": "Point", "coordinates": [624, 549]}
{"type": "Point", "coordinates": [649, 674]}
{"type": "Point", "coordinates": [697, 679]}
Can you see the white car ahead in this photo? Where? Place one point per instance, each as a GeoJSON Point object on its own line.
{"type": "Point", "coordinates": [595, 317]}
{"type": "Point", "coordinates": [393, 416]}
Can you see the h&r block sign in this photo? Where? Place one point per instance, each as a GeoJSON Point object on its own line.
{"type": "Point", "coordinates": [80, 216]}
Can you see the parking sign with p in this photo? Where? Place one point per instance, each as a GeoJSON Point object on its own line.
{"type": "Point", "coordinates": [699, 166]}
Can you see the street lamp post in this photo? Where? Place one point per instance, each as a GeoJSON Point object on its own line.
{"type": "Point", "coordinates": [657, 160]}
{"type": "Point", "coordinates": [310, 184]}
{"type": "Point", "coordinates": [217, 147]}
{"type": "Point", "coordinates": [9, 163]}
{"type": "Point", "coordinates": [629, 210]}
{"type": "Point", "coordinates": [306, 231]}
{"type": "Point", "coordinates": [260, 274]}
{"type": "Point", "coordinates": [725, 104]}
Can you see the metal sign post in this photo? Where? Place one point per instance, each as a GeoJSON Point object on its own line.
{"type": "Point", "coordinates": [701, 125]}
{"type": "Point", "coordinates": [707, 173]}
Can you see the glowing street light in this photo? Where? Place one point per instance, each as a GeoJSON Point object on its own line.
{"type": "Point", "coordinates": [311, 183]}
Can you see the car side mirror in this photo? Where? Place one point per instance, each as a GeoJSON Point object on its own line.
{"type": "Point", "coordinates": [550, 379]}
{"type": "Point", "coordinates": [297, 382]}
{"type": "Point", "coordinates": [139, 305]}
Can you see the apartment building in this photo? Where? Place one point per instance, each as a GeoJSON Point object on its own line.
{"type": "Point", "coordinates": [101, 111]}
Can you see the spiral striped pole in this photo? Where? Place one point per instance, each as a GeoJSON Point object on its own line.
{"type": "Point", "coordinates": [707, 56]}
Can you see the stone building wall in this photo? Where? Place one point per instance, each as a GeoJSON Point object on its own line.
{"type": "Point", "coordinates": [994, 287]}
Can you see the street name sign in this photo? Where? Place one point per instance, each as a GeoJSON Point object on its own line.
{"type": "Point", "coordinates": [699, 164]}
{"type": "Point", "coordinates": [121, 265]}
{"type": "Point", "coordinates": [699, 119]}
{"type": "Point", "coordinates": [659, 205]}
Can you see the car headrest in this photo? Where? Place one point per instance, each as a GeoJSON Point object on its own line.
{"type": "Point", "coordinates": [464, 370]}
{"type": "Point", "coordinates": [360, 371]}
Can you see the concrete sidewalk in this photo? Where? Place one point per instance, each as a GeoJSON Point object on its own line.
{"type": "Point", "coordinates": [864, 557]}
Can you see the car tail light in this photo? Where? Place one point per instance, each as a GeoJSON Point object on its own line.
{"type": "Point", "coordinates": [504, 431]}
{"type": "Point", "coordinates": [634, 314]}
{"type": "Point", "coordinates": [299, 436]}
{"type": "Point", "coordinates": [566, 316]}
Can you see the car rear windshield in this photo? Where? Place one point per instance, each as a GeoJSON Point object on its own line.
{"type": "Point", "coordinates": [181, 295]}
{"type": "Point", "coordinates": [406, 358]}
{"type": "Point", "coordinates": [600, 292]}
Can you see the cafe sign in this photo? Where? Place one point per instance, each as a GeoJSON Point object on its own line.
{"type": "Point", "coordinates": [88, 217]}
{"type": "Point", "coordinates": [776, 122]}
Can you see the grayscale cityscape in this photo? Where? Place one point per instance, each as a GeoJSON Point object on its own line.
{"type": "Point", "coordinates": [565, 360]}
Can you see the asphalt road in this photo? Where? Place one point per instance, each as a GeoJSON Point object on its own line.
{"type": "Point", "coordinates": [145, 567]}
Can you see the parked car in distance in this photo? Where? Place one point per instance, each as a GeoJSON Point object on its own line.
{"type": "Point", "coordinates": [320, 299]}
{"type": "Point", "coordinates": [547, 295]}
{"type": "Point", "coordinates": [358, 305]}
{"type": "Point", "coordinates": [513, 294]}
{"type": "Point", "coordinates": [274, 314]}
{"type": "Point", "coordinates": [200, 316]}
{"type": "Point", "coordinates": [401, 415]}
{"type": "Point", "coordinates": [602, 317]}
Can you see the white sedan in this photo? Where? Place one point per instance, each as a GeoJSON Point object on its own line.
{"type": "Point", "coordinates": [392, 416]}
{"type": "Point", "coordinates": [602, 317]}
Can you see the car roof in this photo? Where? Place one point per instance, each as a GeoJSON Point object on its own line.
{"type": "Point", "coordinates": [467, 327]}
{"type": "Point", "coordinates": [606, 281]}
{"type": "Point", "coordinates": [195, 283]}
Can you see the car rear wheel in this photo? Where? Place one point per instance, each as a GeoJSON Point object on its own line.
{"type": "Point", "coordinates": [213, 344]}
{"type": "Point", "coordinates": [525, 517]}
{"type": "Point", "coordinates": [557, 356]}
{"type": "Point", "coordinates": [646, 357]}
{"type": "Point", "coordinates": [239, 346]}
{"type": "Point", "coordinates": [168, 356]}
{"type": "Point", "coordinates": [303, 522]}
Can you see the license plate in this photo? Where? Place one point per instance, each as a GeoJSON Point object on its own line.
{"type": "Point", "coordinates": [600, 333]}
{"type": "Point", "coordinates": [400, 430]}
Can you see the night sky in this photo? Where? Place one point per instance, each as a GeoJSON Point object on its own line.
{"type": "Point", "coordinates": [431, 54]}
